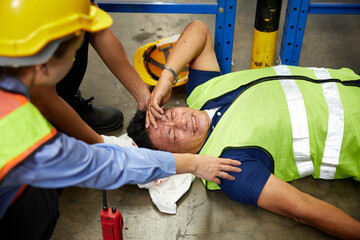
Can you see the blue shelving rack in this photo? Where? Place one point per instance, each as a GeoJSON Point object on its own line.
{"type": "Point", "coordinates": [224, 10]}
{"type": "Point", "coordinates": [295, 22]}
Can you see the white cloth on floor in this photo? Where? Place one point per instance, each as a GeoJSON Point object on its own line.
{"type": "Point", "coordinates": [164, 192]}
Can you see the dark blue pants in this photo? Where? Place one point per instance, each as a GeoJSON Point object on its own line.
{"type": "Point", "coordinates": [32, 216]}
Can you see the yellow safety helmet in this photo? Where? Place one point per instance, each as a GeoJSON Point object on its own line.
{"type": "Point", "coordinates": [27, 26]}
{"type": "Point", "coordinates": [150, 59]}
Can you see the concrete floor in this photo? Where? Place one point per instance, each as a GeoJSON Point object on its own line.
{"type": "Point", "coordinates": [330, 41]}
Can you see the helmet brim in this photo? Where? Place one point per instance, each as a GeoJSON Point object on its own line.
{"type": "Point", "coordinates": [102, 20]}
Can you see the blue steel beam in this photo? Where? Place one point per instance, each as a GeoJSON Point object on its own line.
{"type": "Point", "coordinates": [224, 34]}
{"type": "Point", "coordinates": [334, 8]}
{"type": "Point", "coordinates": [229, 29]}
{"type": "Point", "coordinates": [294, 28]}
{"type": "Point", "coordinates": [159, 7]}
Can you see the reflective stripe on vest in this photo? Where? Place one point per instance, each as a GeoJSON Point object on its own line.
{"type": "Point", "coordinates": [311, 117]}
{"type": "Point", "coordinates": [23, 129]}
{"type": "Point", "coordinates": [299, 122]}
{"type": "Point", "coordinates": [335, 133]}
{"type": "Point", "coordinates": [300, 129]}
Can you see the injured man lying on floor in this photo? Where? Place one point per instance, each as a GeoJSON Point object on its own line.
{"type": "Point", "coordinates": [283, 123]}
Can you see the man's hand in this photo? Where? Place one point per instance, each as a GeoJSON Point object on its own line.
{"type": "Point", "coordinates": [206, 167]}
{"type": "Point", "coordinates": [159, 96]}
{"type": "Point", "coordinates": [212, 168]}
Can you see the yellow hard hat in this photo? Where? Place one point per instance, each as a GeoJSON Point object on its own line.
{"type": "Point", "coordinates": [150, 59]}
{"type": "Point", "coordinates": [27, 26]}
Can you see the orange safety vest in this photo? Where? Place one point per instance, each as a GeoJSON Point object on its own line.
{"type": "Point", "coordinates": [22, 130]}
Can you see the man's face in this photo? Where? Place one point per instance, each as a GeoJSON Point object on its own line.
{"type": "Point", "coordinates": [184, 130]}
{"type": "Point", "coordinates": [57, 68]}
{"type": "Point", "coordinates": [63, 65]}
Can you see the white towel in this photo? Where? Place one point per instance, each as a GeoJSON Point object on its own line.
{"type": "Point", "coordinates": [164, 192]}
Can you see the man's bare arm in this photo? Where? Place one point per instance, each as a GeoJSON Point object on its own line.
{"type": "Point", "coordinates": [112, 52]}
{"type": "Point", "coordinates": [59, 112]}
{"type": "Point", "coordinates": [280, 197]}
{"type": "Point", "coordinates": [195, 47]}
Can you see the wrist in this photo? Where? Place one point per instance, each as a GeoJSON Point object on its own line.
{"type": "Point", "coordinates": [167, 78]}
{"type": "Point", "coordinates": [173, 73]}
{"type": "Point", "coordinates": [142, 103]}
{"type": "Point", "coordinates": [185, 163]}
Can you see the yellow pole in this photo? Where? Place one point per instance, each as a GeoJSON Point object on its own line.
{"type": "Point", "coordinates": [265, 33]}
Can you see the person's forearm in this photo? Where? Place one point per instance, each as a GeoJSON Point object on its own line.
{"type": "Point", "coordinates": [185, 163]}
{"type": "Point", "coordinates": [195, 47]}
{"type": "Point", "coordinates": [282, 198]}
{"type": "Point", "coordinates": [112, 52]}
{"type": "Point", "coordinates": [58, 112]}
{"type": "Point", "coordinates": [331, 219]}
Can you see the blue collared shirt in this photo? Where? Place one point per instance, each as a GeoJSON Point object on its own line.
{"type": "Point", "coordinates": [64, 161]}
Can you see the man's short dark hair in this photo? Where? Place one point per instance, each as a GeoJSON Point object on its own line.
{"type": "Point", "coordinates": [137, 131]}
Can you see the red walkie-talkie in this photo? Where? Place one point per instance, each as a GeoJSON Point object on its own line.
{"type": "Point", "coordinates": [111, 222]}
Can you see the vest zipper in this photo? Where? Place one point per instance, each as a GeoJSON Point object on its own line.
{"type": "Point", "coordinates": [354, 83]}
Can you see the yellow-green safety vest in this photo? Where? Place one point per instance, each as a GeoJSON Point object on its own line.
{"type": "Point", "coordinates": [306, 119]}
{"type": "Point", "coordinates": [22, 129]}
